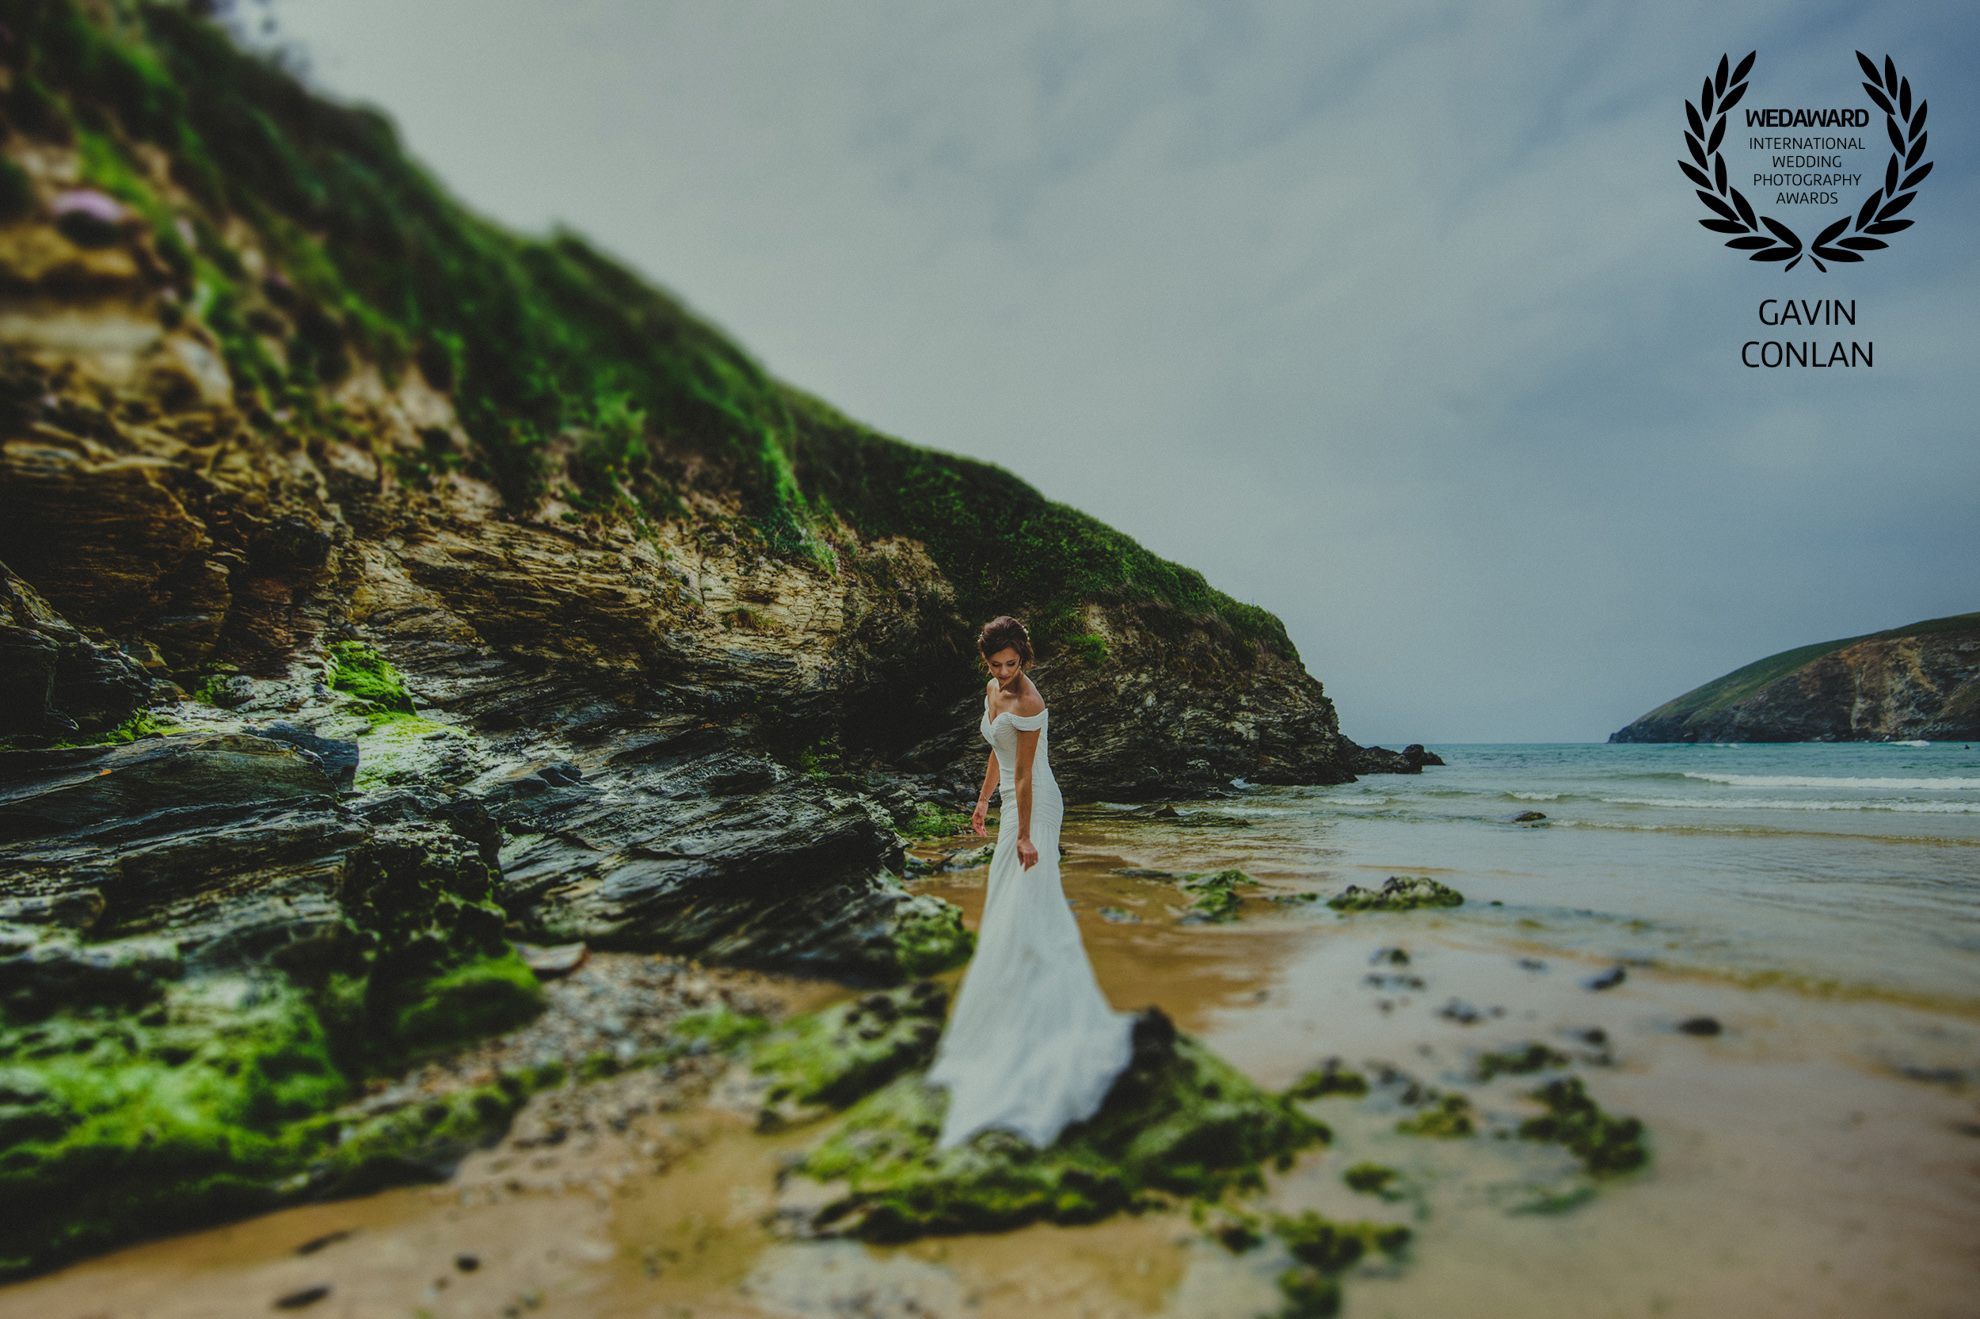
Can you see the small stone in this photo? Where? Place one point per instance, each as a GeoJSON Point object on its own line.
{"type": "Point", "coordinates": [1609, 979]}
{"type": "Point", "coordinates": [297, 1300]}
{"type": "Point", "coordinates": [551, 962]}
{"type": "Point", "coordinates": [467, 1263]}
{"type": "Point", "coordinates": [1700, 1026]}
{"type": "Point", "coordinates": [1529, 817]}
{"type": "Point", "coordinates": [314, 1244]}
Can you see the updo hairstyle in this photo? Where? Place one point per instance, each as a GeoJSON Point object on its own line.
{"type": "Point", "coordinates": [1005, 633]}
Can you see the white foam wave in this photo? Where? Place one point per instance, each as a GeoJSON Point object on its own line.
{"type": "Point", "coordinates": [1534, 796]}
{"type": "Point", "coordinates": [1820, 781]}
{"type": "Point", "coordinates": [1784, 804]}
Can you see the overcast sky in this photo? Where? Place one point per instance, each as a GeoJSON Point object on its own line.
{"type": "Point", "coordinates": [1395, 319]}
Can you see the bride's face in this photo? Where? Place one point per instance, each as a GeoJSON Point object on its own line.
{"type": "Point", "coordinates": [1005, 666]}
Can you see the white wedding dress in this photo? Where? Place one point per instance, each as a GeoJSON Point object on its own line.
{"type": "Point", "coordinates": [1033, 1045]}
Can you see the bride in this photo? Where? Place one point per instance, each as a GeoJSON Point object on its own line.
{"type": "Point", "coordinates": [1033, 1045]}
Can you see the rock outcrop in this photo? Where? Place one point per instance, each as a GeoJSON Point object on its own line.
{"type": "Point", "coordinates": [378, 587]}
{"type": "Point", "coordinates": [275, 423]}
{"type": "Point", "coordinates": [1916, 682]}
{"type": "Point", "coordinates": [1410, 760]}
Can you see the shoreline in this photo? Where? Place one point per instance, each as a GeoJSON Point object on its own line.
{"type": "Point", "coordinates": [1285, 972]}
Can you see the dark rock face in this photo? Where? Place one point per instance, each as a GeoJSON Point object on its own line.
{"type": "Point", "coordinates": [1134, 731]}
{"type": "Point", "coordinates": [1920, 682]}
{"type": "Point", "coordinates": [1410, 760]}
{"type": "Point", "coordinates": [54, 681]}
{"type": "Point", "coordinates": [192, 853]}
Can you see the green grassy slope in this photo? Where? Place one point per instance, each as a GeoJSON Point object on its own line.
{"type": "Point", "coordinates": [534, 338]}
{"type": "Point", "coordinates": [1742, 683]}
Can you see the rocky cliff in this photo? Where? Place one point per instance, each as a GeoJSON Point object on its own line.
{"type": "Point", "coordinates": [1921, 681]}
{"type": "Point", "coordinates": [380, 587]}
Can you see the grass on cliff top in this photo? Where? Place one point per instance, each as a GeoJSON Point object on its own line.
{"type": "Point", "coordinates": [1003, 545]}
{"type": "Point", "coordinates": [1741, 683]}
{"type": "Point", "coordinates": [534, 338]}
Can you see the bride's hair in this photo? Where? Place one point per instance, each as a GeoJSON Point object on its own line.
{"type": "Point", "coordinates": [1005, 633]}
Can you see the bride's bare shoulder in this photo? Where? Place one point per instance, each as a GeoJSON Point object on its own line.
{"type": "Point", "coordinates": [1030, 702]}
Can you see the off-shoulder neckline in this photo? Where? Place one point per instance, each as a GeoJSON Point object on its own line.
{"type": "Point", "coordinates": [1010, 714]}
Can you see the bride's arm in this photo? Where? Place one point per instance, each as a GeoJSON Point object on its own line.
{"type": "Point", "coordinates": [1027, 748]}
{"type": "Point", "coordinates": [983, 796]}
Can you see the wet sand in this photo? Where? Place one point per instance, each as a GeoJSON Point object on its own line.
{"type": "Point", "coordinates": [1821, 1156]}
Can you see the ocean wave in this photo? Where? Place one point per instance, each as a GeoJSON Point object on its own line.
{"type": "Point", "coordinates": [1820, 781]}
{"type": "Point", "coordinates": [1787, 804]}
{"type": "Point", "coordinates": [1534, 796]}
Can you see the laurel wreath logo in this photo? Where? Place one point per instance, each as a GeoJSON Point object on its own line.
{"type": "Point", "coordinates": [1762, 236]}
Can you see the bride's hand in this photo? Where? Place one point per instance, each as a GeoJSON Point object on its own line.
{"type": "Point", "coordinates": [977, 816]}
{"type": "Point", "coordinates": [1027, 854]}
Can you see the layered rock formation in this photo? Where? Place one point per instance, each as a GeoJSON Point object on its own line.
{"type": "Point", "coordinates": [1916, 682]}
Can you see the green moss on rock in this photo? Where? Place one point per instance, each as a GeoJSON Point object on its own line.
{"type": "Point", "coordinates": [932, 821]}
{"type": "Point", "coordinates": [369, 679]}
{"type": "Point", "coordinates": [1604, 1143]}
{"type": "Point", "coordinates": [1445, 1117]}
{"type": "Point", "coordinates": [1330, 1078]}
{"type": "Point", "coordinates": [1178, 1122]}
{"type": "Point", "coordinates": [134, 1101]}
{"type": "Point", "coordinates": [1217, 899]}
{"type": "Point", "coordinates": [830, 1059]}
{"type": "Point", "coordinates": [440, 969]}
{"type": "Point", "coordinates": [720, 1029]}
{"type": "Point", "coordinates": [1326, 1249]}
{"type": "Point", "coordinates": [929, 936]}
{"type": "Point", "coordinates": [1371, 1179]}
{"type": "Point", "coordinates": [418, 1142]}
{"type": "Point", "coordinates": [1534, 1057]}
{"type": "Point", "coordinates": [120, 1124]}
{"type": "Point", "coordinates": [1397, 894]}
{"type": "Point", "coordinates": [483, 997]}
{"type": "Point", "coordinates": [1236, 1230]}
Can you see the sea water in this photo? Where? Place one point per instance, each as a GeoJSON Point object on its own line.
{"type": "Point", "coordinates": [1849, 864]}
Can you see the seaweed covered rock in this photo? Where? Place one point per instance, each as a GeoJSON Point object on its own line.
{"type": "Point", "coordinates": [1323, 1250]}
{"type": "Point", "coordinates": [200, 953]}
{"type": "Point", "coordinates": [440, 969]}
{"type": "Point", "coordinates": [929, 935]}
{"type": "Point", "coordinates": [1519, 1061]}
{"type": "Point", "coordinates": [1603, 1142]}
{"type": "Point", "coordinates": [1216, 897]}
{"type": "Point", "coordinates": [1330, 1078]}
{"type": "Point", "coordinates": [830, 1059]}
{"type": "Point", "coordinates": [1178, 1122]}
{"type": "Point", "coordinates": [1397, 894]}
{"type": "Point", "coordinates": [122, 1123]}
{"type": "Point", "coordinates": [1443, 1117]}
